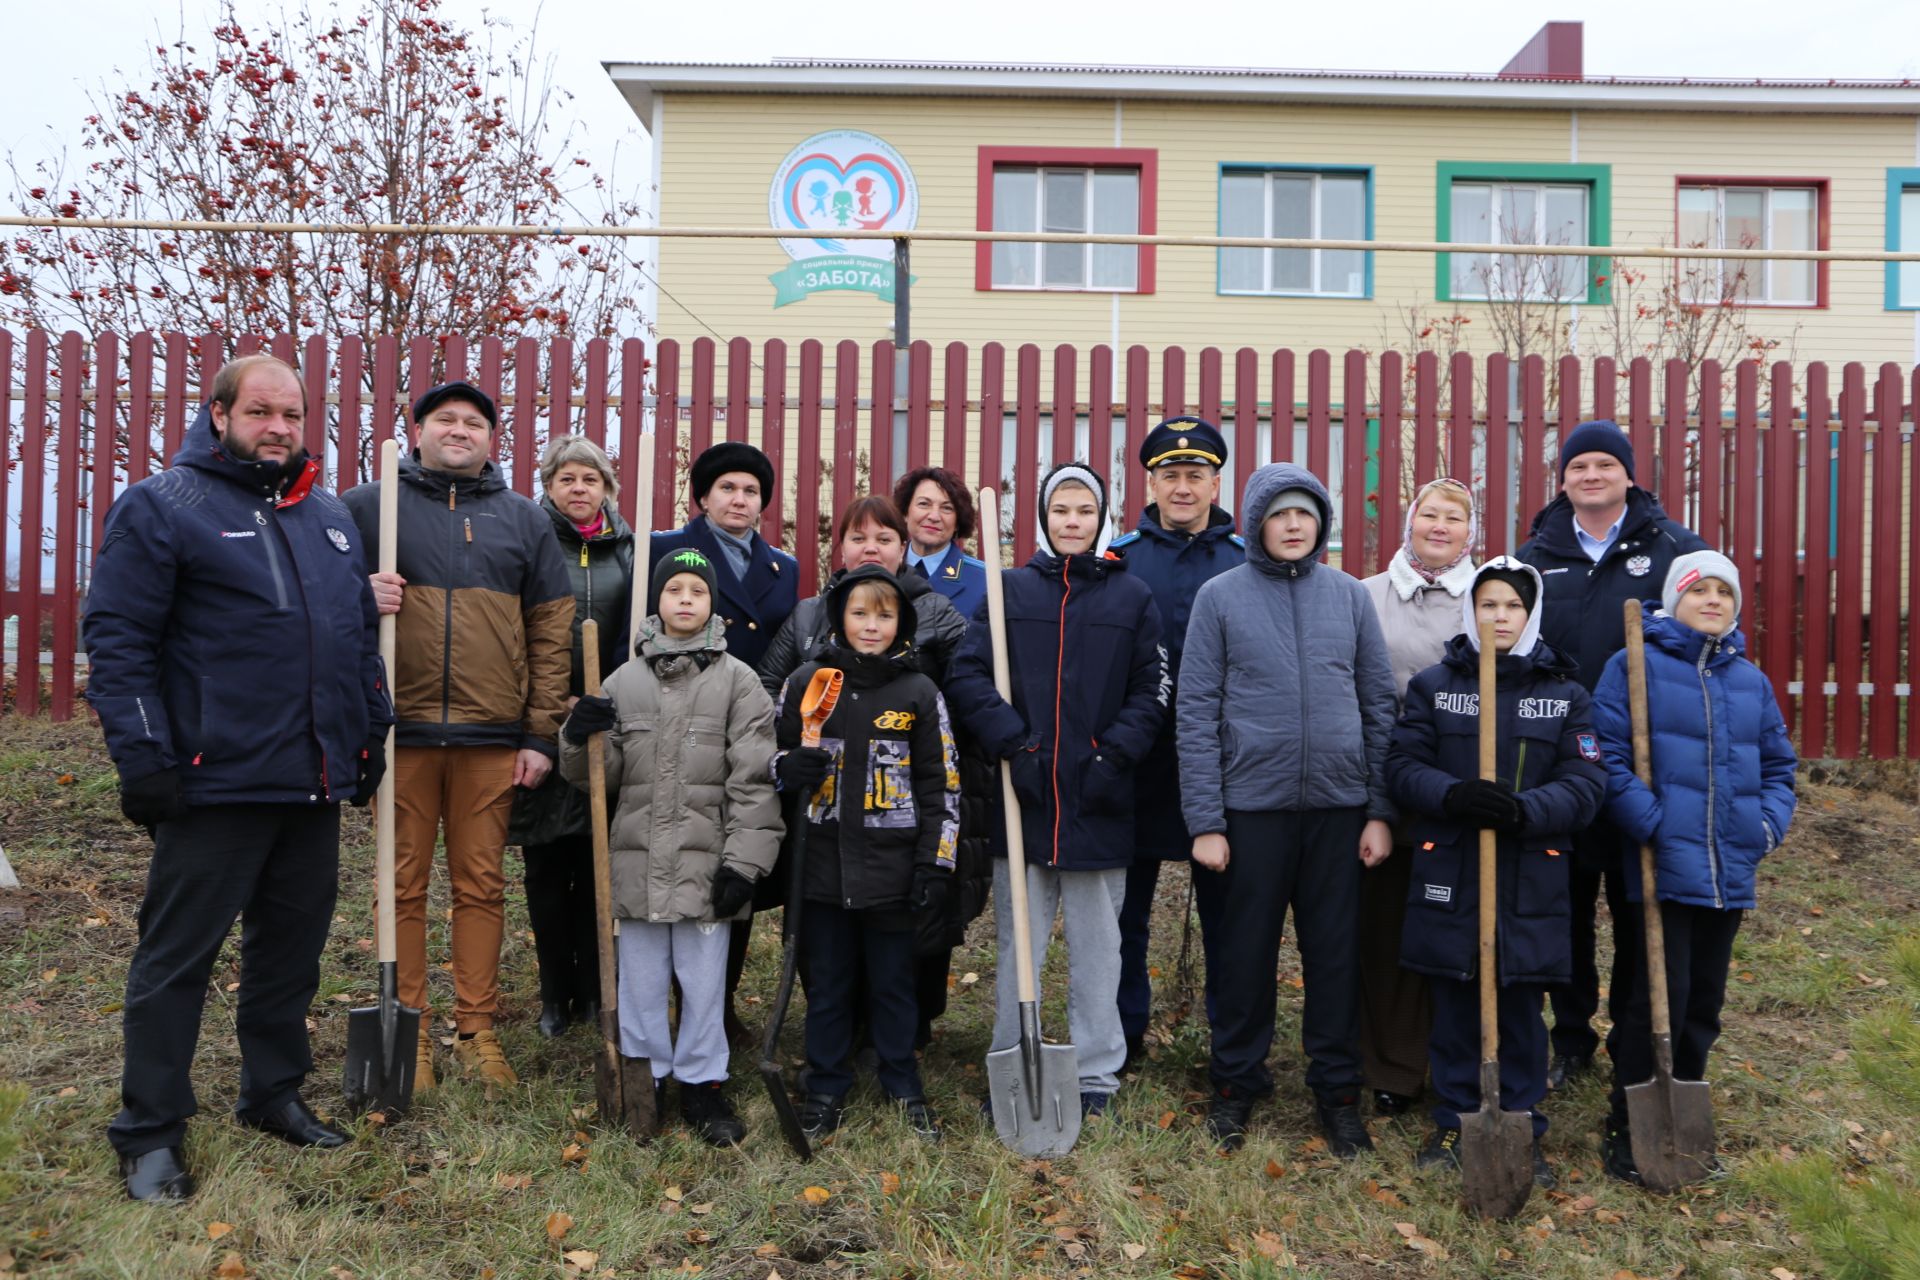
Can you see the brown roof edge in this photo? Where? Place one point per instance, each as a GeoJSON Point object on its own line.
{"type": "Point", "coordinates": [1554, 53]}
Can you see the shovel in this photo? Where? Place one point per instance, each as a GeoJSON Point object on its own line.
{"type": "Point", "coordinates": [816, 704]}
{"type": "Point", "coordinates": [382, 1038]}
{"type": "Point", "coordinates": [1034, 1086]}
{"type": "Point", "coordinates": [1496, 1146]}
{"type": "Point", "coordinates": [622, 1086]}
{"type": "Point", "coordinates": [1670, 1121]}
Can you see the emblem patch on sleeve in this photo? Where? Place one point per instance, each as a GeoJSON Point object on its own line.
{"type": "Point", "coordinates": [339, 541]}
{"type": "Point", "coordinates": [1589, 747]}
{"type": "Point", "coordinates": [1439, 893]}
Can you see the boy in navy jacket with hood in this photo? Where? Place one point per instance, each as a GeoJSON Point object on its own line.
{"type": "Point", "coordinates": [1089, 692]}
{"type": "Point", "coordinates": [1722, 799]}
{"type": "Point", "coordinates": [1550, 782]}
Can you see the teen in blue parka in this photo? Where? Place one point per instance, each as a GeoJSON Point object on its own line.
{"type": "Point", "coordinates": [1722, 799]}
{"type": "Point", "coordinates": [1089, 690]}
{"type": "Point", "coordinates": [1550, 783]}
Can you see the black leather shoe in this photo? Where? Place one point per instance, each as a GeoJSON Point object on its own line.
{"type": "Point", "coordinates": [553, 1019]}
{"type": "Point", "coordinates": [295, 1121]}
{"type": "Point", "coordinates": [1567, 1066]}
{"type": "Point", "coordinates": [157, 1177]}
{"type": "Point", "coordinates": [1388, 1103]}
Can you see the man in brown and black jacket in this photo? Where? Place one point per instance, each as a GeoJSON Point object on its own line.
{"type": "Point", "coordinates": [480, 689]}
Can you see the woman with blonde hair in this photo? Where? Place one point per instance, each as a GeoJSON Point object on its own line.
{"type": "Point", "coordinates": [1418, 601]}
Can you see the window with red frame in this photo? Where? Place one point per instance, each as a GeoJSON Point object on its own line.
{"type": "Point", "coordinates": [1090, 190]}
{"type": "Point", "coordinates": [1750, 215]}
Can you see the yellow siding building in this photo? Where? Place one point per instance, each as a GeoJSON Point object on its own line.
{"type": "Point", "coordinates": [1392, 157]}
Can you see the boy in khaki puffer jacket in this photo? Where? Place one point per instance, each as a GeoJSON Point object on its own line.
{"type": "Point", "coordinates": [695, 823]}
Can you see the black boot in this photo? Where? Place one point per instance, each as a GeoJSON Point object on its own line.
{"type": "Point", "coordinates": [553, 1019]}
{"type": "Point", "coordinates": [1345, 1131]}
{"type": "Point", "coordinates": [1227, 1118]}
{"type": "Point", "coordinates": [705, 1109]}
{"type": "Point", "coordinates": [294, 1121]}
{"type": "Point", "coordinates": [157, 1177]}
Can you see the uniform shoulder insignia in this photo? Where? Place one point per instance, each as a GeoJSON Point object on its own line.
{"type": "Point", "coordinates": [1237, 540]}
{"type": "Point", "coordinates": [1125, 539]}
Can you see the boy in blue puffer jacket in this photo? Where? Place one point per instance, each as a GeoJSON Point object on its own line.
{"type": "Point", "coordinates": [1550, 784]}
{"type": "Point", "coordinates": [1089, 692]}
{"type": "Point", "coordinates": [1722, 799]}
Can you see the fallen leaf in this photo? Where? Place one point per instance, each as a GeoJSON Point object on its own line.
{"type": "Point", "coordinates": [217, 1229]}
{"type": "Point", "coordinates": [1781, 1273]}
{"type": "Point", "coordinates": [767, 1250]}
{"type": "Point", "coordinates": [67, 1092]}
{"type": "Point", "coordinates": [968, 979]}
{"type": "Point", "coordinates": [573, 1153]}
{"type": "Point", "coordinates": [1134, 1252]}
{"type": "Point", "coordinates": [1273, 1247]}
{"type": "Point", "coordinates": [816, 1195]}
{"type": "Point", "coordinates": [1406, 1229]}
{"type": "Point", "coordinates": [558, 1224]}
{"type": "Point", "coordinates": [1313, 1146]}
{"type": "Point", "coordinates": [1815, 911]}
{"type": "Point", "coordinates": [1429, 1247]}
{"type": "Point", "coordinates": [64, 780]}
{"type": "Point", "coordinates": [582, 1258]}
{"type": "Point", "coordinates": [674, 1194]}
{"type": "Point", "coordinates": [701, 1210]}
{"type": "Point", "coordinates": [773, 1273]}
{"type": "Point", "coordinates": [512, 1181]}
{"type": "Point", "coordinates": [889, 1183]}
{"type": "Point", "coordinates": [1190, 1271]}
{"type": "Point", "coordinates": [231, 1267]}
{"type": "Point", "coordinates": [1624, 1274]}
{"type": "Point", "coordinates": [1276, 1170]}
{"type": "Point", "coordinates": [1074, 1250]}
{"type": "Point", "coordinates": [1608, 1218]}
{"type": "Point", "coordinates": [1166, 1120]}
{"type": "Point", "coordinates": [49, 975]}
{"type": "Point", "coordinates": [697, 1236]}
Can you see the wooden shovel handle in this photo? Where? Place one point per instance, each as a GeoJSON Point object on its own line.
{"type": "Point", "coordinates": [386, 942]}
{"type": "Point", "coordinates": [991, 552]}
{"type": "Point", "coordinates": [1656, 928]}
{"type": "Point", "coordinates": [602, 863]}
{"type": "Point", "coordinates": [1487, 711]}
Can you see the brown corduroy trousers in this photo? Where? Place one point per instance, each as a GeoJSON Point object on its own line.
{"type": "Point", "coordinates": [1396, 1006]}
{"type": "Point", "coordinates": [470, 790]}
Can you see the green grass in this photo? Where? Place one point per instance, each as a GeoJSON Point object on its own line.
{"type": "Point", "coordinates": [466, 1186]}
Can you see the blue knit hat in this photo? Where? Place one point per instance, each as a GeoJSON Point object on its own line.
{"type": "Point", "coordinates": [1602, 435]}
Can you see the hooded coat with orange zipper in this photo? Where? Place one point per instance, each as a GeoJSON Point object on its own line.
{"type": "Point", "coordinates": [1089, 695]}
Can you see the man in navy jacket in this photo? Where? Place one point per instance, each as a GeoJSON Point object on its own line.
{"type": "Point", "coordinates": [1183, 539]}
{"type": "Point", "coordinates": [1601, 542]}
{"type": "Point", "coordinates": [234, 664]}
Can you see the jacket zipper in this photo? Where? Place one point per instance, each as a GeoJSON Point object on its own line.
{"type": "Point", "coordinates": [313, 711]}
{"type": "Point", "coordinates": [273, 559]}
{"type": "Point", "coordinates": [1300, 663]}
{"type": "Point", "coordinates": [1706, 699]}
{"type": "Point", "coordinates": [1059, 675]}
{"type": "Point", "coordinates": [446, 652]}
{"type": "Point", "coordinates": [1520, 765]}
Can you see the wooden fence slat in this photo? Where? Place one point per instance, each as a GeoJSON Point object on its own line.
{"type": "Point", "coordinates": [1173, 382]}
{"type": "Point", "coordinates": [1779, 560]}
{"type": "Point", "coordinates": [1498, 516]}
{"type": "Point", "coordinates": [386, 381]}
{"type": "Point", "coordinates": [526, 413]}
{"type": "Point", "coordinates": [919, 405]}
{"type": "Point", "coordinates": [33, 488]}
{"type": "Point", "coordinates": [739, 389]}
{"type": "Point", "coordinates": [1211, 391]}
{"type": "Point", "coordinates": [880, 420]}
{"type": "Point", "coordinates": [420, 375]}
{"type": "Point", "coordinates": [66, 521]}
{"type": "Point", "coordinates": [1913, 572]}
{"type": "Point", "coordinates": [773, 440]}
{"type": "Point", "coordinates": [313, 377]}
{"type": "Point", "coordinates": [1319, 411]}
{"type": "Point", "coordinates": [1711, 523]}
{"type": "Point", "coordinates": [347, 452]}
{"type": "Point", "coordinates": [1390, 520]}
{"type": "Point", "coordinates": [1850, 581]}
{"type": "Point", "coordinates": [1569, 382]}
{"type": "Point", "coordinates": [1459, 462]}
{"type": "Point", "coordinates": [1285, 411]}
{"type": "Point", "coordinates": [1816, 609]}
{"type": "Point", "coordinates": [6, 469]}
{"type": "Point", "coordinates": [669, 500]}
{"type": "Point", "coordinates": [594, 392]}
{"type": "Point", "coordinates": [1534, 490]}
{"type": "Point", "coordinates": [1640, 419]}
{"type": "Point", "coordinates": [491, 359]}
{"type": "Point", "coordinates": [806, 497]}
{"type": "Point", "coordinates": [453, 358]}
{"type": "Point", "coordinates": [1741, 546]}
{"type": "Point", "coordinates": [700, 392]}
{"type": "Point", "coordinates": [993, 416]}
{"type": "Point", "coordinates": [953, 419]}
{"type": "Point", "coordinates": [1673, 447]}
{"type": "Point", "coordinates": [139, 407]}
{"type": "Point", "coordinates": [1137, 428]}
{"type": "Point", "coordinates": [846, 428]}
{"type": "Point", "coordinates": [174, 422]}
{"type": "Point", "coordinates": [106, 436]}
{"type": "Point", "coordinates": [1242, 440]}
{"type": "Point", "coordinates": [1353, 464]}
{"type": "Point", "coordinates": [636, 508]}
{"type": "Point", "coordinates": [1026, 448]}
{"type": "Point", "coordinates": [1426, 421]}
{"type": "Point", "coordinates": [1606, 386]}
{"type": "Point", "coordinates": [1064, 411]}
{"type": "Point", "coordinates": [1884, 517]}
{"type": "Point", "coordinates": [1100, 424]}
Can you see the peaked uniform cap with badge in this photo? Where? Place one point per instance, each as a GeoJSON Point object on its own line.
{"type": "Point", "coordinates": [1183, 439]}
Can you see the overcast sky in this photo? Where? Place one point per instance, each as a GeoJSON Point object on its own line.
{"type": "Point", "coordinates": [59, 52]}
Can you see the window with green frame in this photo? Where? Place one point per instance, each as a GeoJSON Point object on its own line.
{"type": "Point", "coordinates": [1522, 204]}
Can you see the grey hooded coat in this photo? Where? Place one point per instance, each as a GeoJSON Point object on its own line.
{"type": "Point", "coordinates": [1287, 697]}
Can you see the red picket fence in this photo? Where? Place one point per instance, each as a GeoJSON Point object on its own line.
{"type": "Point", "coordinates": [1805, 481]}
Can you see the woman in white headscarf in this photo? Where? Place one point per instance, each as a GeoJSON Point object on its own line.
{"type": "Point", "coordinates": [1418, 600]}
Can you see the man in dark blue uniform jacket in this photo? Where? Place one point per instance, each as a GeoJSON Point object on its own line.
{"type": "Point", "coordinates": [1183, 539]}
{"type": "Point", "coordinates": [235, 667]}
{"type": "Point", "coordinates": [757, 585]}
{"type": "Point", "coordinates": [1602, 541]}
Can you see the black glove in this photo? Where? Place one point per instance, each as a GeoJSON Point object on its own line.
{"type": "Point", "coordinates": [152, 800]}
{"type": "Point", "coordinates": [589, 716]}
{"type": "Point", "coordinates": [373, 767]}
{"type": "Point", "coordinates": [930, 888]}
{"type": "Point", "coordinates": [803, 769]}
{"type": "Point", "coordinates": [731, 891]}
{"type": "Point", "coordinates": [1479, 803]}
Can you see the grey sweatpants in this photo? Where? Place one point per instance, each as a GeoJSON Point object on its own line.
{"type": "Point", "coordinates": [1089, 904]}
{"type": "Point", "coordinates": [651, 956]}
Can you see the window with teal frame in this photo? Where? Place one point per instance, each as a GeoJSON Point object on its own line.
{"type": "Point", "coordinates": [1903, 236]}
{"type": "Point", "coordinates": [1522, 204]}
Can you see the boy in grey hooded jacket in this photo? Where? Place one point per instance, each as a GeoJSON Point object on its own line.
{"type": "Point", "coordinates": [1284, 792]}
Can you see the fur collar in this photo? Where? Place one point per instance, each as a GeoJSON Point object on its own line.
{"type": "Point", "coordinates": [1407, 583]}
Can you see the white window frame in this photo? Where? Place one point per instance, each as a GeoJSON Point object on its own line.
{"type": "Point", "coordinates": [1315, 256]}
{"type": "Point", "coordinates": [1762, 271]}
{"type": "Point", "coordinates": [1496, 235]}
{"type": "Point", "coordinates": [1087, 173]}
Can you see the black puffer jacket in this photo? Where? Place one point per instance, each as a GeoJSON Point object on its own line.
{"type": "Point", "coordinates": [601, 570]}
{"type": "Point", "coordinates": [938, 630]}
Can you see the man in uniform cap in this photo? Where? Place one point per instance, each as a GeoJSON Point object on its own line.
{"type": "Point", "coordinates": [1182, 540]}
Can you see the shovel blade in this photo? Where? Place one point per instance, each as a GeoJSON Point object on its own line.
{"type": "Point", "coordinates": [1496, 1153]}
{"type": "Point", "coordinates": [1671, 1124]}
{"type": "Point", "coordinates": [1058, 1093]}
{"type": "Point", "coordinates": [379, 1069]}
{"type": "Point", "coordinates": [784, 1110]}
{"type": "Point", "coordinates": [637, 1099]}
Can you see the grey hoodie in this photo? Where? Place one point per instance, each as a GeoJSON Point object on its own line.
{"type": "Point", "coordinates": [1287, 698]}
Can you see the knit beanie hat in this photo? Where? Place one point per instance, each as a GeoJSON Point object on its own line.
{"type": "Point", "coordinates": [1075, 473]}
{"type": "Point", "coordinates": [1602, 435]}
{"type": "Point", "coordinates": [685, 560]}
{"type": "Point", "coordinates": [1292, 500]}
{"type": "Point", "coordinates": [1693, 566]}
{"type": "Point", "coordinates": [730, 455]}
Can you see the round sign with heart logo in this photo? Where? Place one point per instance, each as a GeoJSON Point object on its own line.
{"type": "Point", "coordinates": [841, 180]}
